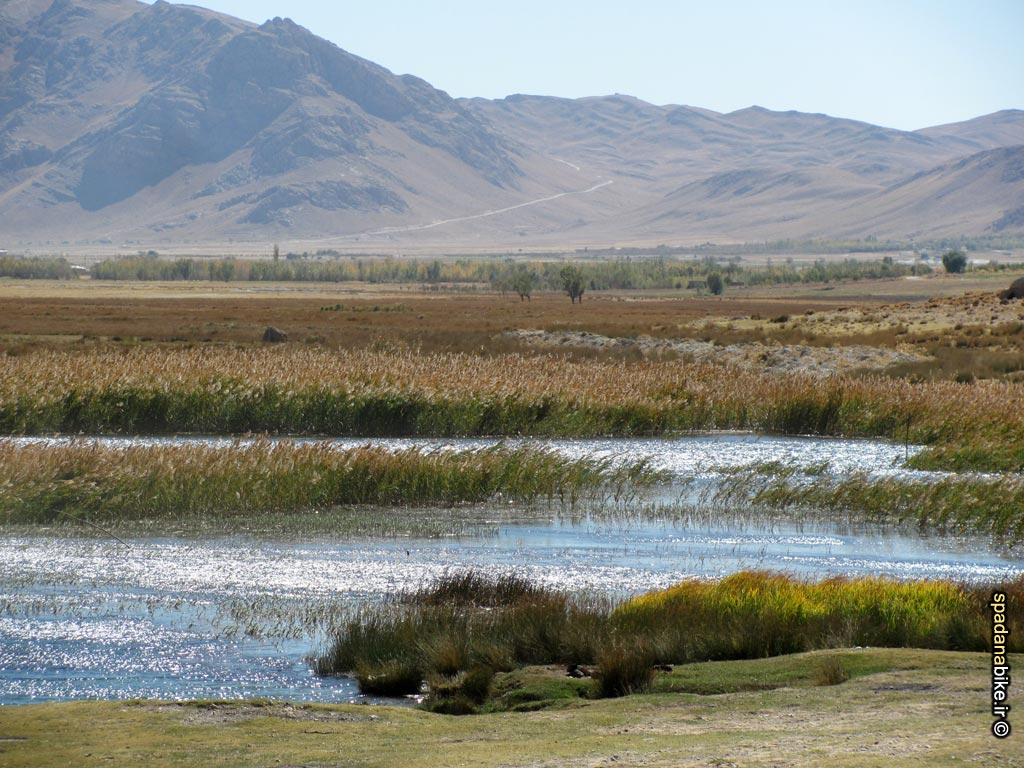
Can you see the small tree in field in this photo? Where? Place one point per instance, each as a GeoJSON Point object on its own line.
{"type": "Point", "coordinates": [715, 284]}
{"type": "Point", "coordinates": [955, 261]}
{"type": "Point", "coordinates": [522, 283]}
{"type": "Point", "coordinates": [572, 282]}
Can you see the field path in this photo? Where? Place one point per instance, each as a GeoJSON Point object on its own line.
{"type": "Point", "coordinates": [485, 214]}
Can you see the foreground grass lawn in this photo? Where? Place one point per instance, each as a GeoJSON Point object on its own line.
{"type": "Point", "coordinates": [899, 708]}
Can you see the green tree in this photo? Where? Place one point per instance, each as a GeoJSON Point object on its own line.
{"type": "Point", "coordinates": [572, 282]}
{"type": "Point", "coordinates": [433, 272]}
{"type": "Point", "coordinates": [523, 282]}
{"type": "Point", "coordinates": [955, 261]}
{"type": "Point", "coordinates": [715, 284]}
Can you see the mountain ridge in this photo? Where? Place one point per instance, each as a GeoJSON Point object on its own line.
{"type": "Point", "coordinates": [169, 123]}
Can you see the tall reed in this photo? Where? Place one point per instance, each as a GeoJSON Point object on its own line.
{"type": "Point", "coordinates": [991, 506]}
{"type": "Point", "coordinates": [373, 393]}
{"type": "Point", "coordinates": [40, 482]}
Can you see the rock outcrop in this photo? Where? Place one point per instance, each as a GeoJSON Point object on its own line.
{"type": "Point", "coordinates": [274, 335]}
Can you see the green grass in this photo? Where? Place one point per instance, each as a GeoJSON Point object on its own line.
{"type": "Point", "coordinates": [974, 452]}
{"type": "Point", "coordinates": [903, 708]}
{"type": "Point", "coordinates": [757, 614]}
{"type": "Point", "coordinates": [714, 678]}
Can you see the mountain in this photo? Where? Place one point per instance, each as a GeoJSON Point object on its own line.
{"type": "Point", "coordinates": [164, 125]}
{"type": "Point", "coordinates": [1000, 129]}
{"type": "Point", "coordinates": [139, 119]}
{"type": "Point", "coordinates": [982, 193]}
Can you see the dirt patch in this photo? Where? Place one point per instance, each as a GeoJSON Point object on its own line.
{"type": "Point", "coordinates": [933, 315]}
{"type": "Point", "coordinates": [792, 358]}
{"type": "Point", "coordinates": [227, 713]}
{"type": "Point", "coordinates": [905, 687]}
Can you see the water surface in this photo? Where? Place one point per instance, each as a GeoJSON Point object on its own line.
{"type": "Point", "coordinates": [182, 618]}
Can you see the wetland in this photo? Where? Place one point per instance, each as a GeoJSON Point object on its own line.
{"type": "Point", "coordinates": [191, 516]}
{"type": "Point", "coordinates": [174, 606]}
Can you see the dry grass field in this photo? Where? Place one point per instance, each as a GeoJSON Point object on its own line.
{"type": "Point", "coordinates": [56, 313]}
{"type": "Point", "coordinates": [460, 373]}
{"type": "Point", "coordinates": [932, 314]}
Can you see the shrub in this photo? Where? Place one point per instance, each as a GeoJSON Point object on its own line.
{"type": "Point", "coordinates": [955, 261]}
{"type": "Point", "coordinates": [715, 284]}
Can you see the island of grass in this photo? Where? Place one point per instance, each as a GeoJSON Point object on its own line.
{"type": "Point", "coordinates": [453, 638]}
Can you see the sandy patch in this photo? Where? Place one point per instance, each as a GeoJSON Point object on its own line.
{"type": "Point", "coordinates": [789, 358]}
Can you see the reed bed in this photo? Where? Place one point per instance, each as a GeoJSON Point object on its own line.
{"type": "Point", "coordinates": [313, 391]}
{"type": "Point", "coordinates": [754, 614]}
{"type": "Point", "coordinates": [969, 504]}
{"type": "Point", "coordinates": [40, 483]}
{"type": "Point", "coordinates": [465, 623]}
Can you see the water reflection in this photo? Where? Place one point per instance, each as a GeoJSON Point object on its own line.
{"type": "Point", "coordinates": [88, 618]}
{"type": "Point", "coordinates": [178, 617]}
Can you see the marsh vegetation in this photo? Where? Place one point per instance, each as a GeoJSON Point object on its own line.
{"type": "Point", "coordinates": [434, 360]}
{"type": "Point", "coordinates": [973, 504]}
{"type": "Point", "coordinates": [456, 634]}
{"type": "Point", "coordinates": [85, 480]}
{"type": "Point", "coordinates": [312, 391]}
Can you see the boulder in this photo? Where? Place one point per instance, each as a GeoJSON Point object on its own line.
{"type": "Point", "coordinates": [579, 671]}
{"type": "Point", "coordinates": [274, 335]}
{"type": "Point", "coordinates": [1015, 291]}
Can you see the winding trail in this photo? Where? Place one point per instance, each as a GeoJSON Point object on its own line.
{"type": "Point", "coordinates": [485, 214]}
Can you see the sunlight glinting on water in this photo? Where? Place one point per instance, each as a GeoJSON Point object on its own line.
{"type": "Point", "coordinates": [691, 456]}
{"type": "Point", "coordinates": [92, 617]}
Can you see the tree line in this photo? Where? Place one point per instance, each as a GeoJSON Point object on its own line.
{"type": "Point", "coordinates": [519, 277]}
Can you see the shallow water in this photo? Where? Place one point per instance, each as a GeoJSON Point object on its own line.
{"type": "Point", "coordinates": [691, 456]}
{"type": "Point", "coordinates": [87, 617]}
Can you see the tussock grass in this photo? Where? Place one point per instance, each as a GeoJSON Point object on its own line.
{"type": "Point", "coordinates": [394, 392]}
{"type": "Point", "coordinates": [470, 621]}
{"type": "Point", "coordinates": [38, 483]}
{"type": "Point", "coordinates": [476, 589]}
{"type": "Point", "coordinates": [623, 669]}
{"type": "Point", "coordinates": [744, 616]}
{"type": "Point", "coordinates": [830, 671]}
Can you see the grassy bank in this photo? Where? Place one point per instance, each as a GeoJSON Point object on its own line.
{"type": "Point", "coordinates": [40, 483]}
{"type": "Point", "coordinates": [899, 708]}
{"type": "Point", "coordinates": [991, 506]}
{"type": "Point", "coordinates": [376, 393]}
{"type": "Point", "coordinates": [458, 633]}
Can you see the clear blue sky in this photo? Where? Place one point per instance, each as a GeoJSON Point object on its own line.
{"type": "Point", "coordinates": [900, 63]}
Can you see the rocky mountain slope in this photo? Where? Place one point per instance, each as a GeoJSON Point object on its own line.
{"type": "Point", "coordinates": [126, 123]}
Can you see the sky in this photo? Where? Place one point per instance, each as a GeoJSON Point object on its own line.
{"type": "Point", "coordinates": [904, 64]}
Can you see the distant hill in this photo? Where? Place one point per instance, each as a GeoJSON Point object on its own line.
{"type": "Point", "coordinates": [125, 123]}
